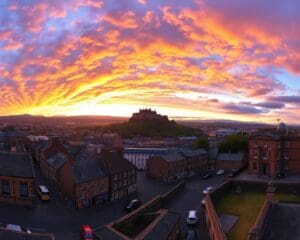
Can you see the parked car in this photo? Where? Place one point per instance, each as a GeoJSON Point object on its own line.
{"type": "Point", "coordinates": [206, 176]}
{"type": "Point", "coordinates": [191, 234]}
{"type": "Point", "coordinates": [86, 232]}
{"type": "Point", "coordinates": [133, 204]}
{"type": "Point", "coordinates": [207, 190]}
{"type": "Point", "coordinates": [220, 172]}
{"type": "Point", "coordinates": [192, 218]}
{"type": "Point", "coordinates": [14, 227]}
{"type": "Point", "coordinates": [43, 193]}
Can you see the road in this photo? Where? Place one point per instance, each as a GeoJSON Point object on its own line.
{"type": "Point", "coordinates": [61, 218]}
{"type": "Point", "coordinates": [190, 199]}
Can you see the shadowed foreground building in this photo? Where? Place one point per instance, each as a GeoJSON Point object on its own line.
{"type": "Point", "coordinates": [17, 178]}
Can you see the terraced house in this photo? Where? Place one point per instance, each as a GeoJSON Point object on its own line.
{"type": "Point", "coordinates": [17, 178]}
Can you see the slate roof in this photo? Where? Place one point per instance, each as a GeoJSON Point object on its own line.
{"type": "Point", "coordinates": [12, 235]}
{"type": "Point", "coordinates": [152, 151]}
{"type": "Point", "coordinates": [57, 159]}
{"type": "Point", "coordinates": [172, 156]}
{"type": "Point", "coordinates": [116, 163]}
{"type": "Point", "coordinates": [284, 222]}
{"type": "Point", "coordinates": [230, 156]}
{"type": "Point", "coordinates": [16, 165]}
{"type": "Point", "coordinates": [87, 170]}
{"type": "Point", "coordinates": [193, 152]}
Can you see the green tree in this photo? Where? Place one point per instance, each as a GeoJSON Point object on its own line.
{"type": "Point", "coordinates": [202, 142]}
{"type": "Point", "coordinates": [233, 143]}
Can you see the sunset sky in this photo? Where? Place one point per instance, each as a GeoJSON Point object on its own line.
{"type": "Point", "coordinates": [206, 59]}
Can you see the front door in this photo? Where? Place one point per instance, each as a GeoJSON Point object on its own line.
{"type": "Point", "coordinates": [265, 169]}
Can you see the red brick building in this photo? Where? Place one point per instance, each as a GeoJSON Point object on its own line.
{"type": "Point", "coordinates": [274, 153]}
{"type": "Point", "coordinates": [177, 164]}
{"type": "Point", "coordinates": [17, 178]}
{"type": "Point", "coordinates": [231, 161]}
{"type": "Point", "coordinates": [168, 167]}
{"type": "Point", "coordinates": [86, 182]}
{"type": "Point", "coordinates": [122, 173]}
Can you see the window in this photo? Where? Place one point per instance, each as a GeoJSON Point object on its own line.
{"type": "Point", "coordinates": [5, 187]}
{"type": "Point", "coordinates": [255, 153]}
{"type": "Point", "coordinates": [23, 190]}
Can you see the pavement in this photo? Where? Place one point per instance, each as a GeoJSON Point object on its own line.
{"type": "Point", "coordinates": [60, 217]}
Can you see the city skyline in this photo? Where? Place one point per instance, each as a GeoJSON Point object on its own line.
{"type": "Point", "coordinates": [235, 60]}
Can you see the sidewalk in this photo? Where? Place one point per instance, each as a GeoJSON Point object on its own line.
{"type": "Point", "coordinates": [245, 177]}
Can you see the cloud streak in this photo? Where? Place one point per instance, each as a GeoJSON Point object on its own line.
{"type": "Point", "coordinates": [196, 56]}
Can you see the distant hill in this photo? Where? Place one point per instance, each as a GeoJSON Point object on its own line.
{"type": "Point", "coordinates": [148, 123]}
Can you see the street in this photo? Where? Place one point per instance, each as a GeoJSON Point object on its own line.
{"type": "Point", "coordinates": [61, 218]}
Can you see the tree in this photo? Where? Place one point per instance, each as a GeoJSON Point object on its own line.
{"type": "Point", "coordinates": [233, 143]}
{"type": "Point", "coordinates": [202, 142]}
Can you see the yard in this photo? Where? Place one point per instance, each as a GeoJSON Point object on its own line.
{"type": "Point", "coordinates": [246, 205]}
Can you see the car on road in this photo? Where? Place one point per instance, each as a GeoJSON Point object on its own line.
{"type": "Point", "coordinates": [191, 234]}
{"type": "Point", "coordinates": [220, 172]}
{"type": "Point", "coordinates": [203, 202]}
{"type": "Point", "coordinates": [43, 193]}
{"type": "Point", "coordinates": [133, 204]}
{"type": "Point", "coordinates": [86, 232]}
{"type": "Point", "coordinates": [14, 227]}
{"type": "Point", "coordinates": [192, 218]}
{"type": "Point", "coordinates": [206, 176]}
{"type": "Point", "coordinates": [207, 190]}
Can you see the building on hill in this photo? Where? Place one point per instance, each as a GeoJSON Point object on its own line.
{"type": "Point", "coordinates": [274, 153]}
{"type": "Point", "coordinates": [147, 114]}
{"type": "Point", "coordinates": [17, 178]}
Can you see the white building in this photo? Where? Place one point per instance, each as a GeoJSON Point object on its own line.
{"type": "Point", "coordinates": [139, 156]}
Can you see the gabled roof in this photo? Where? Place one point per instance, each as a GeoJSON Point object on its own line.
{"type": "Point", "coordinates": [87, 170]}
{"type": "Point", "coordinates": [230, 156]}
{"type": "Point", "coordinates": [172, 156]}
{"type": "Point", "coordinates": [57, 159]}
{"type": "Point", "coordinates": [193, 152]}
{"type": "Point", "coordinates": [115, 162]}
{"type": "Point", "coordinates": [16, 165]}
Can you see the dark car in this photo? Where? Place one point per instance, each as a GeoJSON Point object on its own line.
{"type": "Point", "coordinates": [86, 232]}
{"type": "Point", "coordinates": [206, 176]}
{"type": "Point", "coordinates": [191, 235]}
{"type": "Point", "coordinates": [133, 204]}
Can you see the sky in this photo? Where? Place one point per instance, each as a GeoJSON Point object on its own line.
{"type": "Point", "coordinates": [205, 59]}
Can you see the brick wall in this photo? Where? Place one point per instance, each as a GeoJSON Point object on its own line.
{"type": "Point", "coordinates": [14, 196]}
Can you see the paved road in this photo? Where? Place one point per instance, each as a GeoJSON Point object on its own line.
{"type": "Point", "coordinates": [190, 199]}
{"type": "Point", "coordinates": [61, 218]}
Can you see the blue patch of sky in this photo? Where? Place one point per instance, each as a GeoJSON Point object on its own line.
{"type": "Point", "coordinates": [290, 80]}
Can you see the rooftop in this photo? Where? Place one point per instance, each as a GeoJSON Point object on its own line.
{"type": "Point", "coordinates": [87, 170]}
{"type": "Point", "coordinates": [16, 165]}
{"type": "Point", "coordinates": [230, 156]}
{"type": "Point", "coordinates": [284, 222]}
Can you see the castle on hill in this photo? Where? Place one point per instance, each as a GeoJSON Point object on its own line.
{"type": "Point", "coordinates": [147, 114]}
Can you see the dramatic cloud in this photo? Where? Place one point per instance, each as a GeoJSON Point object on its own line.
{"type": "Point", "coordinates": [196, 58]}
